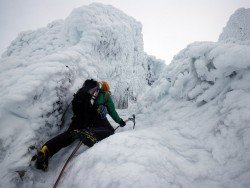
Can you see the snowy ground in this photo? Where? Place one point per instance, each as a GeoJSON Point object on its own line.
{"type": "Point", "coordinates": [192, 122]}
{"type": "Point", "coordinates": [178, 146]}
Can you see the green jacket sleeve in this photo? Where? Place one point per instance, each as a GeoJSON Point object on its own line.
{"type": "Point", "coordinates": [111, 110]}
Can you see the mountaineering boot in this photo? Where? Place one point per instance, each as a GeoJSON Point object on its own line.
{"type": "Point", "coordinates": [42, 160]}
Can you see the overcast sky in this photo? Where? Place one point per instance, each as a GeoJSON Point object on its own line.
{"type": "Point", "coordinates": [168, 25]}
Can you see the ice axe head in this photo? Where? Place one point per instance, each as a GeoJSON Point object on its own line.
{"type": "Point", "coordinates": [129, 119]}
{"type": "Point", "coordinates": [132, 119]}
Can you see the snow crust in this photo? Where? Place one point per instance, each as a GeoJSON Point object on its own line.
{"type": "Point", "coordinates": [192, 117]}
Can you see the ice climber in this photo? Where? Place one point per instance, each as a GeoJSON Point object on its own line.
{"type": "Point", "coordinates": [89, 123]}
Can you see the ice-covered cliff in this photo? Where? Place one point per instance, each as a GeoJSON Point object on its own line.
{"type": "Point", "coordinates": [42, 69]}
{"type": "Point", "coordinates": [202, 103]}
{"type": "Point", "coordinates": [238, 27]}
{"type": "Point", "coordinates": [192, 117]}
{"type": "Point", "coordinates": [192, 126]}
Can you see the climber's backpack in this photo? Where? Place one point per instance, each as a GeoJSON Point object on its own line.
{"type": "Point", "coordinates": [102, 108]}
{"type": "Point", "coordinates": [81, 97]}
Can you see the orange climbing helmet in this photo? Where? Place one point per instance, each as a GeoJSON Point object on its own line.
{"type": "Point", "coordinates": [105, 86]}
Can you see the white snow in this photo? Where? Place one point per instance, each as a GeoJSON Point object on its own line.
{"type": "Point", "coordinates": [192, 117]}
{"type": "Point", "coordinates": [205, 114]}
{"type": "Point", "coordinates": [238, 27]}
{"type": "Point", "coordinates": [42, 69]}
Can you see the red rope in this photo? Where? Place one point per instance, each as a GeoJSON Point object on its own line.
{"type": "Point", "coordinates": [66, 163]}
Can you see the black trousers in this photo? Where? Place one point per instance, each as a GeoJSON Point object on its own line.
{"type": "Point", "coordinates": [101, 129]}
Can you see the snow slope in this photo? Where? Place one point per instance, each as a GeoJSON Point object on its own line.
{"type": "Point", "coordinates": [192, 122]}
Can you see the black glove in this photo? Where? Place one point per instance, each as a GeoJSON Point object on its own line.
{"type": "Point", "coordinates": [122, 123]}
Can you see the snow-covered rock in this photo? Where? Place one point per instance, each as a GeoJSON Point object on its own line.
{"type": "Point", "coordinates": [155, 68]}
{"type": "Point", "coordinates": [95, 41]}
{"type": "Point", "coordinates": [202, 103]}
{"type": "Point", "coordinates": [237, 28]}
{"type": "Point", "coordinates": [192, 123]}
{"type": "Point", "coordinates": [42, 69]}
{"type": "Point", "coordinates": [192, 127]}
{"type": "Point", "coordinates": [204, 70]}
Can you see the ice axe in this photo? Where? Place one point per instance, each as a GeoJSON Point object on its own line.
{"type": "Point", "coordinates": [132, 119]}
{"type": "Point", "coordinates": [129, 119]}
